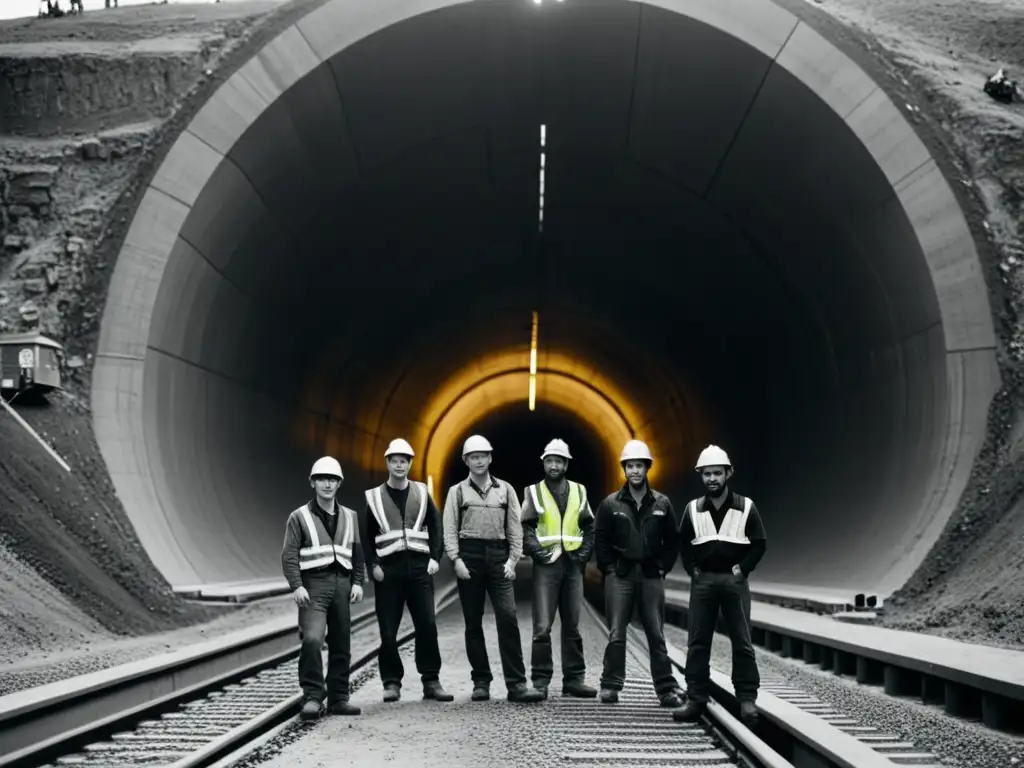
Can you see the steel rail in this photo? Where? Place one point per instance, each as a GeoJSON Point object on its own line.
{"type": "Point", "coordinates": [237, 744]}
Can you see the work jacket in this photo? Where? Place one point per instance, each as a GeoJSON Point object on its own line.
{"type": "Point", "coordinates": [627, 535]}
{"type": "Point", "coordinates": [548, 530]}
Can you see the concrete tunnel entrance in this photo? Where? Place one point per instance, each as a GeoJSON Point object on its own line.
{"type": "Point", "coordinates": [743, 241]}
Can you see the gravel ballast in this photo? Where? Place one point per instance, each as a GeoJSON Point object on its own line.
{"type": "Point", "coordinates": [956, 742]}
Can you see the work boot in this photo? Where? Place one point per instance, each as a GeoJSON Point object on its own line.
{"type": "Point", "coordinates": [343, 707]}
{"type": "Point", "coordinates": [392, 692]}
{"type": "Point", "coordinates": [608, 696]}
{"type": "Point", "coordinates": [436, 691]}
{"type": "Point", "coordinates": [310, 709]}
{"type": "Point", "coordinates": [748, 713]}
{"type": "Point", "coordinates": [690, 712]}
{"type": "Point", "coordinates": [579, 690]}
{"type": "Point", "coordinates": [523, 695]}
{"type": "Point", "coordinates": [669, 699]}
{"type": "Point", "coordinates": [481, 692]}
{"type": "Point", "coordinates": [542, 687]}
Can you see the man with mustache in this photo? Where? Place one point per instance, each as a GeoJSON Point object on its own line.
{"type": "Point", "coordinates": [721, 540]}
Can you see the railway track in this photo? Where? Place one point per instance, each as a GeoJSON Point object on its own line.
{"type": "Point", "coordinates": [223, 718]}
{"type": "Point", "coordinates": [193, 725]}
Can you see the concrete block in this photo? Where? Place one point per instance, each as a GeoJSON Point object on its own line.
{"type": "Point", "coordinates": [187, 168]}
{"type": "Point", "coordinates": [887, 135]}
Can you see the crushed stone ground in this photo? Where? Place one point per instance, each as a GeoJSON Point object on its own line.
{"type": "Point", "coordinates": [73, 532]}
{"type": "Point", "coordinates": [956, 742]}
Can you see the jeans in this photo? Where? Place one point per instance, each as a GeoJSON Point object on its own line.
{"type": "Point", "coordinates": [406, 582]}
{"type": "Point", "coordinates": [485, 561]}
{"type": "Point", "coordinates": [557, 586]}
{"type": "Point", "coordinates": [328, 613]}
{"type": "Point", "coordinates": [730, 594]}
{"type": "Point", "coordinates": [622, 594]}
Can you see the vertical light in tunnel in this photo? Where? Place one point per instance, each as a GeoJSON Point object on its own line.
{"type": "Point", "coordinates": [540, 220]}
{"type": "Point", "coordinates": [533, 362]}
{"type": "Point", "coordinates": [430, 485]}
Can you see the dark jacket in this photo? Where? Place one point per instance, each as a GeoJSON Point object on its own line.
{"type": "Point", "coordinates": [625, 535]}
{"type": "Point", "coordinates": [294, 536]}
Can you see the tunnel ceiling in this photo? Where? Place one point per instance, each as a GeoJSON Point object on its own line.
{"type": "Point", "coordinates": [739, 230]}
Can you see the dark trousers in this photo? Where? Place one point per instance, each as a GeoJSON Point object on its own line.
{"type": "Point", "coordinates": [557, 586]}
{"type": "Point", "coordinates": [406, 582]}
{"type": "Point", "coordinates": [328, 613]}
{"type": "Point", "coordinates": [485, 561]}
{"type": "Point", "coordinates": [623, 594]}
{"type": "Point", "coordinates": [730, 594]}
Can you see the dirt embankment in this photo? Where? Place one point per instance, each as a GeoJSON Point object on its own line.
{"type": "Point", "coordinates": [75, 577]}
{"type": "Point", "coordinates": [971, 587]}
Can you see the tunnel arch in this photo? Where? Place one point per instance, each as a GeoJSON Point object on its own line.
{"type": "Point", "coordinates": [875, 284]}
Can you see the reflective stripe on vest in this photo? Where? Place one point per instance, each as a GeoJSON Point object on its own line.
{"type": "Point", "coordinates": [553, 531]}
{"type": "Point", "coordinates": [394, 536]}
{"type": "Point", "coordinates": [317, 555]}
{"type": "Point", "coordinates": [733, 526]}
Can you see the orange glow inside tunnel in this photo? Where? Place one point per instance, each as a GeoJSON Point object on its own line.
{"type": "Point", "coordinates": [501, 379]}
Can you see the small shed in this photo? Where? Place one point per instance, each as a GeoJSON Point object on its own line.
{"type": "Point", "coordinates": [29, 361]}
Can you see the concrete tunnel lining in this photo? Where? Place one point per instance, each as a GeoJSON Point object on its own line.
{"type": "Point", "coordinates": [208, 407]}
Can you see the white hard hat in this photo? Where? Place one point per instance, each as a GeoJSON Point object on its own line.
{"type": "Point", "coordinates": [326, 466]}
{"type": "Point", "coordinates": [475, 443]}
{"type": "Point", "coordinates": [636, 449]}
{"type": "Point", "coordinates": [713, 456]}
{"type": "Point", "coordinates": [400, 446]}
{"type": "Point", "coordinates": [556, 448]}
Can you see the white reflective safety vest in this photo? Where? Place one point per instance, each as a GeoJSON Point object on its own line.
{"type": "Point", "coordinates": [319, 549]}
{"type": "Point", "coordinates": [733, 526]}
{"type": "Point", "coordinates": [395, 535]}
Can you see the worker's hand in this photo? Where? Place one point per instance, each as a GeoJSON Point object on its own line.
{"type": "Point", "coordinates": [378, 573]}
{"type": "Point", "coordinates": [510, 569]}
{"type": "Point", "coordinates": [301, 597]}
{"type": "Point", "coordinates": [461, 571]}
{"type": "Point", "coordinates": [542, 556]}
{"type": "Point", "coordinates": [432, 567]}
{"type": "Point", "coordinates": [356, 594]}
{"type": "Point", "coordinates": [737, 571]}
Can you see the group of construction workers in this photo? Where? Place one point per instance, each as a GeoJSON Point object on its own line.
{"type": "Point", "coordinates": [634, 535]}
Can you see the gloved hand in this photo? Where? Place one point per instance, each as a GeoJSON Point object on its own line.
{"type": "Point", "coordinates": [461, 571]}
{"type": "Point", "coordinates": [432, 567]}
{"type": "Point", "coordinates": [356, 594]}
{"type": "Point", "coordinates": [510, 569]}
{"type": "Point", "coordinates": [301, 597]}
{"type": "Point", "coordinates": [378, 573]}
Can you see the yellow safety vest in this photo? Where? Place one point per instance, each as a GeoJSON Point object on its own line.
{"type": "Point", "coordinates": [733, 526]}
{"type": "Point", "coordinates": [316, 554]}
{"type": "Point", "coordinates": [555, 532]}
{"type": "Point", "coordinates": [394, 536]}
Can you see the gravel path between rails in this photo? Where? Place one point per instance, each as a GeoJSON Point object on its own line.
{"type": "Point", "coordinates": [48, 666]}
{"type": "Point", "coordinates": [957, 742]}
{"type": "Point", "coordinates": [432, 735]}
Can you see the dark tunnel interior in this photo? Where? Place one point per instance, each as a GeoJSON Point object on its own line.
{"type": "Point", "coordinates": [519, 436]}
{"type": "Point", "coordinates": [727, 259]}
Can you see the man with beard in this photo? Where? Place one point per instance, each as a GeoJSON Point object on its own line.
{"type": "Point", "coordinates": [721, 540]}
{"type": "Point", "coordinates": [403, 549]}
{"type": "Point", "coordinates": [558, 534]}
{"type": "Point", "coordinates": [635, 543]}
{"type": "Point", "coordinates": [483, 537]}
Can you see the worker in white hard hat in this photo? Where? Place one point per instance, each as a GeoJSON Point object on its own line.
{"type": "Point", "coordinates": [721, 541]}
{"type": "Point", "coordinates": [558, 535]}
{"type": "Point", "coordinates": [322, 560]}
{"type": "Point", "coordinates": [403, 551]}
{"type": "Point", "coordinates": [635, 544]}
{"type": "Point", "coordinates": [483, 537]}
